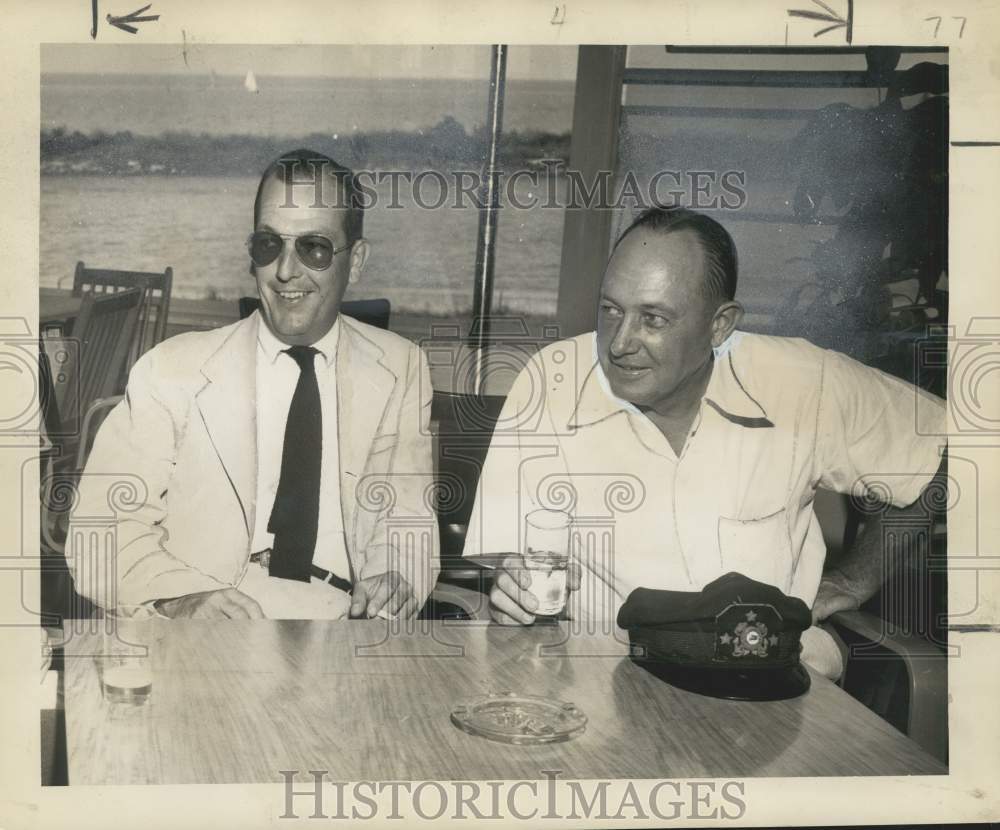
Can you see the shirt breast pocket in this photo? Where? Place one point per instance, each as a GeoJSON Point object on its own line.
{"type": "Point", "coordinates": [758, 548]}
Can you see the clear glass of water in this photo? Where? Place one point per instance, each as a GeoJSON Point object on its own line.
{"type": "Point", "coordinates": [546, 556]}
{"type": "Point", "coordinates": [125, 665]}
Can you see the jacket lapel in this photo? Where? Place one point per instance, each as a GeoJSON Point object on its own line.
{"type": "Point", "coordinates": [229, 410]}
{"type": "Point", "coordinates": [364, 387]}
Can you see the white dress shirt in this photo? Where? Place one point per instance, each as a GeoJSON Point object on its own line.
{"type": "Point", "coordinates": [780, 418]}
{"type": "Point", "coordinates": [277, 376]}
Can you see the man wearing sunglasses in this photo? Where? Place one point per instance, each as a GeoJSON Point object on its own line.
{"type": "Point", "coordinates": [280, 457]}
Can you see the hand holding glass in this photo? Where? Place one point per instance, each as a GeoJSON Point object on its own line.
{"type": "Point", "coordinates": [546, 556]}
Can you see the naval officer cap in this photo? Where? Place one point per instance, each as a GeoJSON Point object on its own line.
{"type": "Point", "coordinates": [736, 638]}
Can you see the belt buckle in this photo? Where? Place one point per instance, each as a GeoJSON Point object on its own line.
{"type": "Point", "coordinates": [264, 559]}
{"type": "Point", "coordinates": [328, 578]}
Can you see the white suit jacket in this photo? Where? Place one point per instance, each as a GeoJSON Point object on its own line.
{"type": "Point", "coordinates": [166, 505]}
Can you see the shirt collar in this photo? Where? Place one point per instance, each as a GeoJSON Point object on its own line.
{"type": "Point", "coordinates": [726, 393]}
{"type": "Point", "coordinates": [271, 346]}
{"type": "Point", "coordinates": [596, 401]}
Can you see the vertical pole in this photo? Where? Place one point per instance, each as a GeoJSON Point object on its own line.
{"type": "Point", "coordinates": [482, 301]}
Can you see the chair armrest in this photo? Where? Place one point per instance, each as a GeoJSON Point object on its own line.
{"type": "Point", "coordinates": [83, 448]}
{"type": "Point", "coordinates": [872, 628]}
{"type": "Point", "coordinates": [927, 674]}
{"type": "Point", "coordinates": [472, 602]}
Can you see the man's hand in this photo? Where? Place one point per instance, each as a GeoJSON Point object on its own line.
{"type": "Point", "coordinates": [832, 597]}
{"type": "Point", "coordinates": [227, 603]}
{"type": "Point", "coordinates": [861, 571]}
{"type": "Point", "coordinates": [821, 652]}
{"type": "Point", "coordinates": [510, 601]}
{"type": "Point", "coordinates": [388, 592]}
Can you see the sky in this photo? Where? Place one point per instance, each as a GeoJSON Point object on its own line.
{"type": "Point", "coordinates": [340, 61]}
{"type": "Point", "coordinates": [366, 61]}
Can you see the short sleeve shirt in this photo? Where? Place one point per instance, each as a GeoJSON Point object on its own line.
{"type": "Point", "coordinates": [779, 419]}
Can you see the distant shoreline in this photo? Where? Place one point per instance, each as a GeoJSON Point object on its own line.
{"type": "Point", "coordinates": [445, 146]}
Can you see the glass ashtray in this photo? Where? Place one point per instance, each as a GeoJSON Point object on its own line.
{"type": "Point", "coordinates": [519, 719]}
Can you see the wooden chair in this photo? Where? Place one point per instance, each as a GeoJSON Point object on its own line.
{"type": "Point", "coordinates": [83, 381]}
{"type": "Point", "coordinates": [899, 675]}
{"type": "Point", "coordinates": [90, 364]}
{"type": "Point", "coordinates": [373, 312]}
{"type": "Point", "coordinates": [154, 308]}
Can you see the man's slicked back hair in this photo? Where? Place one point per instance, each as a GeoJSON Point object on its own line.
{"type": "Point", "coordinates": [719, 283]}
{"type": "Point", "coordinates": [302, 167]}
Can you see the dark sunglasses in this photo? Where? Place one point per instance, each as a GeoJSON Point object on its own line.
{"type": "Point", "coordinates": [314, 251]}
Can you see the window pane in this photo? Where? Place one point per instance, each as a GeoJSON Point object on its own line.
{"type": "Point", "coordinates": [534, 147]}
{"type": "Point", "coordinates": [835, 196]}
{"type": "Point", "coordinates": [151, 158]}
{"type": "Point", "coordinates": [538, 119]}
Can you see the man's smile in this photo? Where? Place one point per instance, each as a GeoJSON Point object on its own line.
{"type": "Point", "coordinates": [628, 369]}
{"type": "Point", "coordinates": [290, 295]}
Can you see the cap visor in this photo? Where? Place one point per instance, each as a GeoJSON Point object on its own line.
{"type": "Point", "coordinates": [732, 683]}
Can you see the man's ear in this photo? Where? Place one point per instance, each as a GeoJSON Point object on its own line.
{"type": "Point", "coordinates": [359, 256]}
{"type": "Point", "coordinates": [726, 320]}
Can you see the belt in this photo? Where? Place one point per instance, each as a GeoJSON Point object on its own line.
{"type": "Point", "coordinates": [263, 558]}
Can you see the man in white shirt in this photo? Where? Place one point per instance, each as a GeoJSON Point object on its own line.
{"type": "Point", "coordinates": [684, 449]}
{"type": "Point", "coordinates": [279, 459]}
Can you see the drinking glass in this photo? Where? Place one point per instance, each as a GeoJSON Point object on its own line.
{"type": "Point", "coordinates": [125, 664]}
{"type": "Point", "coordinates": [546, 556]}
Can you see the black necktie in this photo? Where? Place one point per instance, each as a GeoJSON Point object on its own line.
{"type": "Point", "coordinates": [295, 517]}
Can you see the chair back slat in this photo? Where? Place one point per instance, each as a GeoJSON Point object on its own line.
{"type": "Point", "coordinates": [105, 329]}
{"type": "Point", "coordinates": [154, 307]}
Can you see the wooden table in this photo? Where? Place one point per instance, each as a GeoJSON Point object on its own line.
{"type": "Point", "coordinates": [237, 701]}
